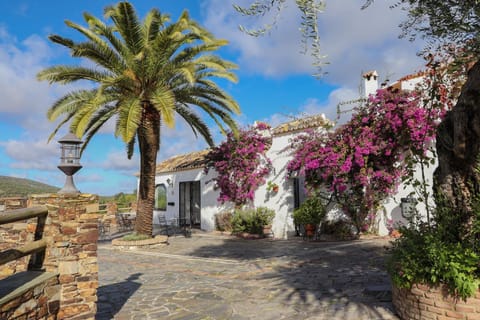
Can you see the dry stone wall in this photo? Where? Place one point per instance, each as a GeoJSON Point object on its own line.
{"type": "Point", "coordinates": [67, 287]}
{"type": "Point", "coordinates": [40, 301]}
{"type": "Point", "coordinates": [72, 233]}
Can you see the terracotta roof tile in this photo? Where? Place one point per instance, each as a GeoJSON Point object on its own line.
{"type": "Point", "coordinates": [197, 159]}
{"type": "Point", "coordinates": [192, 160]}
{"type": "Point", "coordinates": [310, 122]}
{"type": "Point", "coordinates": [412, 76]}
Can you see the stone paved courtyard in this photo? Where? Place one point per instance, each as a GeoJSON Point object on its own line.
{"type": "Point", "coordinates": [215, 277]}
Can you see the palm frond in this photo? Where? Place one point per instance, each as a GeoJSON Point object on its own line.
{"type": "Point", "coordinates": [99, 54]}
{"type": "Point", "coordinates": [189, 53]}
{"type": "Point", "coordinates": [61, 40]}
{"type": "Point", "coordinates": [209, 91]}
{"type": "Point", "coordinates": [195, 123]}
{"type": "Point", "coordinates": [129, 118]}
{"type": "Point", "coordinates": [83, 116]}
{"type": "Point", "coordinates": [214, 112]}
{"type": "Point", "coordinates": [163, 99]}
{"type": "Point", "coordinates": [152, 23]}
{"type": "Point", "coordinates": [59, 125]}
{"type": "Point", "coordinates": [97, 122]}
{"type": "Point", "coordinates": [100, 28]}
{"type": "Point", "coordinates": [69, 103]}
{"type": "Point", "coordinates": [69, 74]}
{"type": "Point", "coordinates": [126, 23]}
{"type": "Point", "coordinates": [130, 148]}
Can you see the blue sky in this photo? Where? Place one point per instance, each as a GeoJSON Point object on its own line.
{"type": "Point", "coordinates": [275, 82]}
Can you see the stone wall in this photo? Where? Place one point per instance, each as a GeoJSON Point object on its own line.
{"type": "Point", "coordinates": [39, 301]}
{"type": "Point", "coordinates": [15, 235]}
{"type": "Point", "coordinates": [423, 302]}
{"type": "Point", "coordinates": [109, 218]}
{"type": "Point", "coordinates": [67, 287]}
{"type": "Point", "coordinates": [11, 203]}
{"type": "Point", "coordinates": [72, 233]}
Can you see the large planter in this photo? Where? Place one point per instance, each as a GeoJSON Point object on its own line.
{"type": "Point", "coordinates": [310, 230]}
{"type": "Point", "coordinates": [425, 302]}
{"type": "Point", "coordinates": [267, 231]}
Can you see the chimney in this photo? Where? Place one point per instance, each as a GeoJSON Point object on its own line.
{"type": "Point", "coordinates": [369, 83]}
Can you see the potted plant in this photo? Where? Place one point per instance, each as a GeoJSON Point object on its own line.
{"type": "Point", "coordinates": [310, 214]}
{"type": "Point", "coordinates": [272, 187]}
{"type": "Point", "coordinates": [265, 217]}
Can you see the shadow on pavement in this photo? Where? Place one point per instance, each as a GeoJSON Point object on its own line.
{"type": "Point", "coordinates": [338, 279]}
{"type": "Point", "coordinates": [112, 297]}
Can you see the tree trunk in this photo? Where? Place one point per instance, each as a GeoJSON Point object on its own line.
{"type": "Point", "coordinates": [458, 144]}
{"type": "Point", "coordinates": [148, 141]}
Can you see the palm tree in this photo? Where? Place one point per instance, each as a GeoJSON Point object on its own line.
{"type": "Point", "coordinates": [145, 73]}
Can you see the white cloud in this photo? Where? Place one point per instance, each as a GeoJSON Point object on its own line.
{"type": "Point", "coordinates": [277, 54]}
{"type": "Point", "coordinates": [19, 62]}
{"type": "Point", "coordinates": [354, 40]}
{"type": "Point", "coordinates": [25, 100]}
{"type": "Point", "coordinates": [313, 106]}
{"type": "Point", "coordinates": [31, 154]}
{"type": "Point", "coordinates": [118, 160]}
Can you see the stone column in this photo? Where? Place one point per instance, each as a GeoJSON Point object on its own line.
{"type": "Point", "coordinates": [71, 233]}
{"type": "Point", "coordinates": [110, 217]}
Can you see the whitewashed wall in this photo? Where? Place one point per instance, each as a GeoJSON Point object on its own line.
{"type": "Point", "coordinates": [281, 202]}
{"type": "Point", "coordinates": [392, 205]}
{"type": "Point", "coordinates": [209, 204]}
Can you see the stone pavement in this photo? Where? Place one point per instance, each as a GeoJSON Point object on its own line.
{"type": "Point", "coordinates": [218, 277]}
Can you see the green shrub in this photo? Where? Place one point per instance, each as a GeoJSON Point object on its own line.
{"type": "Point", "coordinates": [264, 215]}
{"type": "Point", "coordinates": [311, 211]}
{"type": "Point", "coordinates": [422, 256]}
{"type": "Point", "coordinates": [251, 220]}
{"type": "Point", "coordinates": [223, 221]}
{"type": "Point", "coordinates": [341, 229]}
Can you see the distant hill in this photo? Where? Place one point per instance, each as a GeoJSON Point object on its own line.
{"type": "Point", "coordinates": [17, 187]}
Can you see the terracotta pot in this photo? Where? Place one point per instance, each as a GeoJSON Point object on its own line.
{"type": "Point", "coordinates": [267, 230]}
{"type": "Point", "coordinates": [310, 230]}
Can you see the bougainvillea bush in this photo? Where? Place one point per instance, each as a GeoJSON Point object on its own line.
{"type": "Point", "coordinates": [363, 161]}
{"type": "Point", "coordinates": [241, 164]}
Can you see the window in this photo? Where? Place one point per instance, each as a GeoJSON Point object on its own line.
{"type": "Point", "coordinates": [161, 197]}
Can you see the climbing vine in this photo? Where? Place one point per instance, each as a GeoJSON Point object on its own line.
{"type": "Point", "coordinates": [241, 163]}
{"type": "Point", "coordinates": [363, 161]}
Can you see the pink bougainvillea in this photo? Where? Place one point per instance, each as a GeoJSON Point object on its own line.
{"type": "Point", "coordinates": [241, 164]}
{"type": "Point", "coordinates": [363, 161]}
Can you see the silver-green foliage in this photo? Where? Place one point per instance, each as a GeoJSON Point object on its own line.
{"type": "Point", "coordinates": [309, 9]}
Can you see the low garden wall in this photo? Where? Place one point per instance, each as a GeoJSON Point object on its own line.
{"type": "Point", "coordinates": [72, 234]}
{"type": "Point", "coordinates": [66, 287]}
{"type": "Point", "coordinates": [38, 298]}
{"type": "Point", "coordinates": [423, 302]}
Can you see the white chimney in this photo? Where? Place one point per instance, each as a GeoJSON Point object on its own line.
{"type": "Point", "coordinates": [369, 83]}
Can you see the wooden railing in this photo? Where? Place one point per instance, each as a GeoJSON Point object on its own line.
{"type": "Point", "coordinates": [35, 248]}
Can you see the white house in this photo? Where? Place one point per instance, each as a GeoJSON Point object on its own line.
{"type": "Point", "coordinates": [186, 194]}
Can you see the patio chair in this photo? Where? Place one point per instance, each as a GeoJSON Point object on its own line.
{"type": "Point", "coordinates": [103, 229]}
{"type": "Point", "coordinates": [127, 222]}
{"type": "Point", "coordinates": [124, 224]}
{"type": "Point", "coordinates": [164, 225]}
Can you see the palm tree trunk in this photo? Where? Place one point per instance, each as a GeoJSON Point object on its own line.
{"type": "Point", "coordinates": [456, 179]}
{"type": "Point", "coordinates": [148, 141]}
